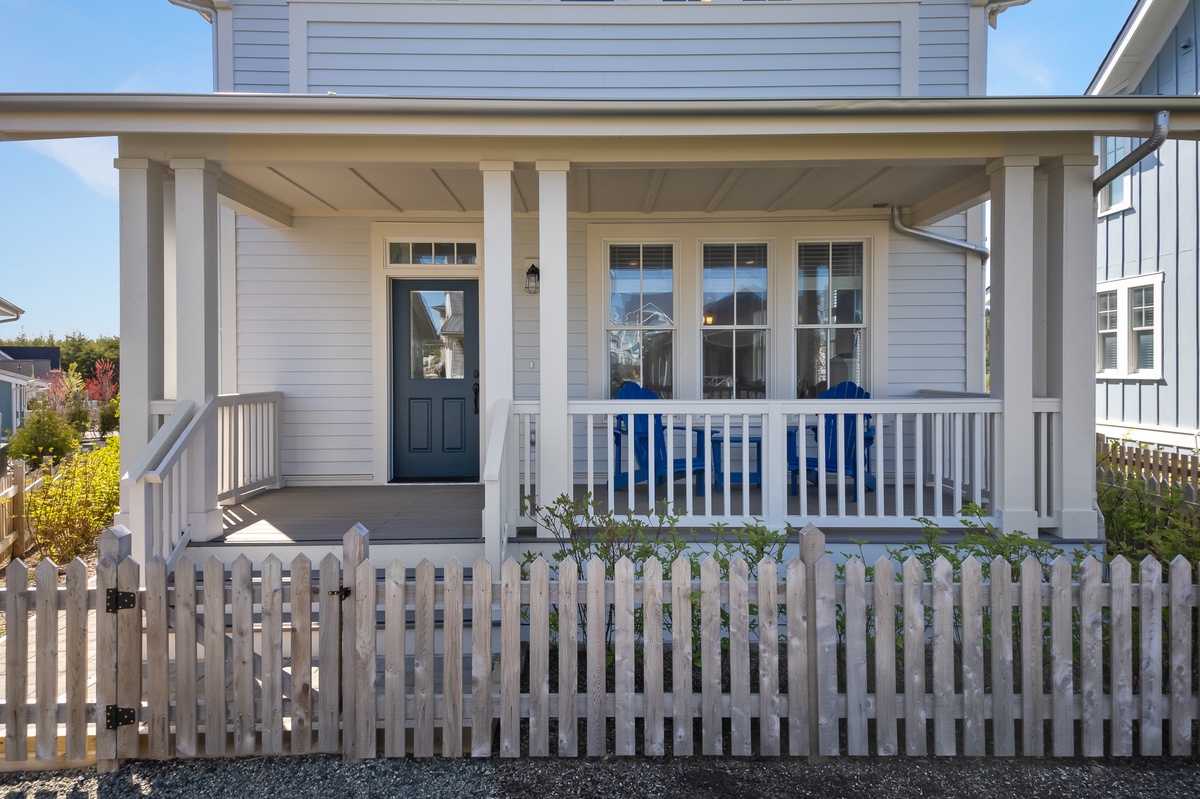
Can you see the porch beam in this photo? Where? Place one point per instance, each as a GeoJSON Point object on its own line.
{"type": "Point", "coordinates": [652, 193]}
{"type": "Point", "coordinates": [497, 339]}
{"type": "Point", "coordinates": [730, 180]}
{"type": "Point", "coordinates": [961, 196]}
{"type": "Point", "coordinates": [555, 472]}
{"type": "Point", "coordinates": [1012, 338]}
{"type": "Point", "coordinates": [1071, 354]}
{"type": "Point", "coordinates": [254, 203]}
{"type": "Point", "coordinates": [197, 243]}
{"type": "Point", "coordinates": [141, 318]}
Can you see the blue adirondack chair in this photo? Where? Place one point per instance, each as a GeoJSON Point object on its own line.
{"type": "Point", "coordinates": [637, 435]}
{"type": "Point", "coordinates": [840, 456]}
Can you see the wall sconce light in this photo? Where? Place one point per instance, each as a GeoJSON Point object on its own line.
{"type": "Point", "coordinates": [533, 279]}
{"type": "Point", "coordinates": [708, 319]}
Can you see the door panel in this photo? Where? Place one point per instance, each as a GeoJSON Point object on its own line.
{"type": "Point", "coordinates": [435, 367]}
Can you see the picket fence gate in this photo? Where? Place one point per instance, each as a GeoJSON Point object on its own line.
{"type": "Point", "coordinates": [331, 658]}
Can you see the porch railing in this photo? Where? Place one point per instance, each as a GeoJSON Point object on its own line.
{"type": "Point", "coordinates": [248, 441]}
{"type": "Point", "coordinates": [733, 460]}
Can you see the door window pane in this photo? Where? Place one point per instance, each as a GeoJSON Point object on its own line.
{"type": "Point", "coordinates": [436, 327]}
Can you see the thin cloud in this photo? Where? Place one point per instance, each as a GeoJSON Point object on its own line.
{"type": "Point", "coordinates": [90, 159]}
{"type": "Point", "coordinates": [1018, 71]}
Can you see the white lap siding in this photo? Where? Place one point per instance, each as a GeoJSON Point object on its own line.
{"type": "Point", "coordinates": [260, 46]}
{"type": "Point", "coordinates": [304, 328]}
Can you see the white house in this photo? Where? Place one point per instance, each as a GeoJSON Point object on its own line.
{"type": "Point", "coordinates": [1148, 303]}
{"type": "Point", "coordinates": [708, 192]}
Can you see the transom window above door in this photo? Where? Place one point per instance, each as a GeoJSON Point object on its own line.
{"type": "Point", "coordinates": [830, 330]}
{"type": "Point", "coordinates": [734, 321]}
{"type": "Point", "coordinates": [641, 316]}
{"type": "Point", "coordinates": [404, 253]}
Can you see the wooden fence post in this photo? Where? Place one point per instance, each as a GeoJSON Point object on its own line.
{"type": "Point", "coordinates": [19, 520]}
{"type": "Point", "coordinates": [812, 549]}
{"type": "Point", "coordinates": [115, 546]}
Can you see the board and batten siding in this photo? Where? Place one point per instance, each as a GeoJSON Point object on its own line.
{"type": "Point", "coordinates": [1159, 233]}
{"type": "Point", "coordinates": [260, 46]}
{"type": "Point", "coordinates": [304, 328]}
{"type": "Point", "coordinates": [639, 50]}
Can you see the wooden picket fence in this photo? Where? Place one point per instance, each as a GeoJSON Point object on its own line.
{"type": "Point", "coordinates": [14, 525]}
{"type": "Point", "coordinates": [346, 657]}
{"type": "Point", "coordinates": [1159, 471]}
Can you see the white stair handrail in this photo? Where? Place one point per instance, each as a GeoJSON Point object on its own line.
{"type": "Point", "coordinates": [163, 440]}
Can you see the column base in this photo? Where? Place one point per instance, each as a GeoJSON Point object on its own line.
{"type": "Point", "coordinates": [1081, 524]}
{"type": "Point", "coordinates": [1020, 521]}
{"type": "Point", "coordinates": [206, 525]}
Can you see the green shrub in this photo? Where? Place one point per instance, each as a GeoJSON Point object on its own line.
{"type": "Point", "coordinates": [74, 506]}
{"type": "Point", "coordinates": [109, 417]}
{"type": "Point", "coordinates": [45, 436]}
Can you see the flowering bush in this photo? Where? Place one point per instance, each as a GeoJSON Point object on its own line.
{"type": "Point", "coordinates": [75, 505]}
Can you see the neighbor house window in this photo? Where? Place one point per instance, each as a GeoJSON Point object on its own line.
{"type": "Point", "coordinates": [1129, 327]}
{"type": "Point", "coordinates": [641, 316]}
{"type": "Point", "coordinates": [734, 321]}
{"type": "Point", "coordinates": [1114, 196]}
{"type": "Point", "coordinates": [830, 331]}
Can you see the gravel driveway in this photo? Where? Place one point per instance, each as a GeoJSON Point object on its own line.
{"type": "Point", "coordinates": [320, 776]}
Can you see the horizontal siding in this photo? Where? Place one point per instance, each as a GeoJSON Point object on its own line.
{"type": "Point", "coordinates": [634, 51]}
{"type": "Point", "coordinates": [927, 317]}
{"type": "Point", "coordinates": [945, 48]}
{"type": "Point", "coordinates": [304, 328]}
{"type": "Point", "coordinates": [260, 46]}
{"type": "Point", "coordinates": [1159, 234]}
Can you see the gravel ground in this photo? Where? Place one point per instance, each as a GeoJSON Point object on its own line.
{"type": "Point", "coordinates": [321, 776]}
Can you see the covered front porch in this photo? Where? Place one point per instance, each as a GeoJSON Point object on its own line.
{"type": "Point", "coordinates": [264, 334]}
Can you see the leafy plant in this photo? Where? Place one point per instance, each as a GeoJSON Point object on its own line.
{"type": "Point", "coordinates": [45, 436]}
{"type": "Point", "coordinates": [75, 504]}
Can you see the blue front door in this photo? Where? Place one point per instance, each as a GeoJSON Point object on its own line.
{"type": "Point", "coordinates": [435, 362]}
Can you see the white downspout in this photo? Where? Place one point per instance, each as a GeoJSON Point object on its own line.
{"type": "Point", "coordinates": [928, 235]}
{"type": "Point", "coordinates": [1162, 125]}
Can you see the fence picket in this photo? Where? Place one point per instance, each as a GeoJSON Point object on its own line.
{"type": "Point", "coordinates": [186, 671]}
{"type": "Point", "coordinates": [423, 660]}
{"type": "Point", "coordinates": [452, 660]}
{"type": "Point", "coordinates": [1120, 573]}
{"type": "Point", "coordinates": [1151, 640]}
{"type": "Point", "coordinates": [271, 679]}
{"type": "Point", "coordinates": [856, 658]}
{"type": "Point", "coordinates": [1091, 659]}
{"type": "Point", "coordinates": [510, 659]}
{"type": "Point", "coordinates": [364, 661]}
{"type": "Point", "coordinates": [739, 656]}
{"type": "Point", "coordinates": [539, 659]}
{"type": "Point", "coordinates": [623, 660]}
{"type": "Point", "coordinates": [652, 658]}
{"type": "Point", "coordinates": [798, 708]}
{"type": "Point", "coordinates": [568, 658]}
{"type": "Point", "coordinates": [158, 689]}
{"type": "Point", "coordinates": [214, 658]}
{"type": "Point", "coordinates": [395, 634]}
{"type": "Point", "coordinates": [825, 614]}
{"type": "Point", "coordinates": [914, 659]}
{"type": "Point", "coordinates": [886, 739]}
{"type": "Point", "coordinates": [16, 648]}
{"type": "Point", "coordinates": [129, 650]}
{"type": "Point", "coordinates": [301, 647]}
{"type": "Point", "coordinates": [682, 709]}
{"type": "Point", "coordinates": [243, 657]}
{"type": "Point", "coordinates": [972, 659]}
{"type": "Point", "coordinates": [329, 657]}
{"type": "Point", "coordinates": [1062, 678]}
{"type": "Point", "coordinates": [710, 658]}
{"type": "Point", "coordinates": [46, 642]}
{"type": "Point", "coordinates": [1181, 712]}
{"type": "Point", "coordinates": [768, 658]}
{"type": "Point", "coordinates": [481, 658]}
{"type": "Point", "coordinates": [942, 580]}
{"type": "Point", "coordinates": [76, 639]}
{"type": "Point", "coordinates": [596, 611]}
{"type": "Point", "coordinates": [106, 662]}
{"type": "Point", "coordinates": [1003, 716]}
{"type": "Point", "coordinates": [1033, 738]}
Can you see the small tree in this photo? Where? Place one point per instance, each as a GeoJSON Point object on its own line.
{"type": "Point", "coordinates": [45, 436]}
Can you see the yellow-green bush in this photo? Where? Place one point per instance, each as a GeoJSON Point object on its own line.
{"type": "Point", "coordinates": [75, 505]}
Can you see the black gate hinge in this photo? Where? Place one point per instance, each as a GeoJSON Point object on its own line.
{"type": "Point", "coordinates": [115, 600]}
{"type": "Point", "coordinates": [115, 717]}
{"type": "Point", "coordinates": [342, 593]}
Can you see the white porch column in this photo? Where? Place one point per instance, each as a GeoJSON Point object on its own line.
{"type": "Point", "coordinates": [141, 291]}
{"type": "Point", "coordinates": [497, 374]}
{"type": "Point", "coordinates": [555, 474]}
{"type": "Point", "coordinates": [1013, 237]}
{"type": "Point", "coordinates": [1071, 354]}
{"type": "Point", "coordinates": [196, 255]}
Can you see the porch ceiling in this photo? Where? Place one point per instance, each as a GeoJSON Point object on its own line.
{"type": "Point", "coordinates": [375, 188]}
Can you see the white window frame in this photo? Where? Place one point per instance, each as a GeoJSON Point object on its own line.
{"type": "Point", "coordinates": [772, 313]}
{"type": "Point", "coordinates": [674, 327]}
{"type": "Point", "coordinates": [867, 379]}
{"type": "Point", "coordinates": [1126, 342]}
{"type": "Point", "coordinates": [1109, 156]}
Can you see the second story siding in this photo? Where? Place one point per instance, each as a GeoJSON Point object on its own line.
{"type": "Point", "coordinates": [628, 49]}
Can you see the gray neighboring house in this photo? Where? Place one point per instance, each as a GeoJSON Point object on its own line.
{"type": "Point", "coordinates": [1147, 239]}
{"type": "Point", "coordinates": [15, 381]}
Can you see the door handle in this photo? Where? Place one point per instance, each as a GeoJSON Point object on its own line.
{"type": "Point", "coordinates": [475, 389]}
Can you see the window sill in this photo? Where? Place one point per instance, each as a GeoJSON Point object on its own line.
{"type": "Point", "coordinates": [1116, 209]}
{"type": "Point", "coordinates": [1139, 377]}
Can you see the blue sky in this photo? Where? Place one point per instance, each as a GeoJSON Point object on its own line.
{"type": "Point", "coordinates": [58, 200]}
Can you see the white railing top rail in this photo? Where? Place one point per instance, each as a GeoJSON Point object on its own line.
{"type": "Point", "coordinates": [1047, 405]}
{"type": "Point", "coordinates": [496, 435]}
{"type": "Point", "coordinates": [181, 445]}
{"type": "Point", "coordinates": [163, 440]}
{"type": "Point", "coordinates": [702, 407]}
{"type": "Point", "coordinates": [225, 400]}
